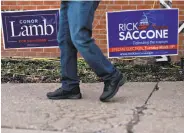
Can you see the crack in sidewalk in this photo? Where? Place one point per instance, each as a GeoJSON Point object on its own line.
{"type": "Point", "coordinates": [139, 111]}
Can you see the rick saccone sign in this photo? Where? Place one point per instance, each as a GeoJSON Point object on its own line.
{"type": "Point", "coordinates": [142, 33]}
{"type": "Point", "coordinates": [25, 29]}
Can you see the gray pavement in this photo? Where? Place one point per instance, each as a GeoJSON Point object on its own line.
{"type": "Point", "coordinates": [25, 109]}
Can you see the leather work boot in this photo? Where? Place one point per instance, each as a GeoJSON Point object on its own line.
{"type": "Point", "coordinates": [63, 94]}
{"type": "Point", "coordinates": [111, 87]}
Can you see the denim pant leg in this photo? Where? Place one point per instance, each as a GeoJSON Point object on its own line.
{"type": "Point", "coordinates": [80, 16]}
{"type": "Point", "coordinates": [68, 52]}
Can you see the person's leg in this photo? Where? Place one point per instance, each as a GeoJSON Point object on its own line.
{"type": "Point", "coordinates": [70, 81]}
{"type": "Point", "coordinates": [80, 18]}
{"type": "Point", "coordinates": [68, 52]}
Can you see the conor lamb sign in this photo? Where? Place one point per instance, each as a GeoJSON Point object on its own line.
{"type": "Point", "coordinates": [30, 28]}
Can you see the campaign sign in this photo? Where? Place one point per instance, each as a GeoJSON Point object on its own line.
{"type": "Point", "coordinates": [142, 33]}
{"type": "Point", "coordinates": [30, 28]}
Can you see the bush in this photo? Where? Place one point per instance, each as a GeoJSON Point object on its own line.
{"type": "Point", "coordinates": [47, 71]}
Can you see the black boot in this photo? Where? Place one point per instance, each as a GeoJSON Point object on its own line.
{"type": "Point", "coordinates": [63, 94]}
{"type": "Point", "coordinates": [111, 87]}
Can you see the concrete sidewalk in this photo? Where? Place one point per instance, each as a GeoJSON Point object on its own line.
{"type": "Point", "coordinates": [25, 109]}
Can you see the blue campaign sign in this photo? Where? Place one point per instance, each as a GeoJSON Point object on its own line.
{"type": "Point", "coordinates": [142, 33]}
{"type": "Point", "coordinates": [24, 29]}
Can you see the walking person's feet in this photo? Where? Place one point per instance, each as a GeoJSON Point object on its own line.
{"type": "Point", "coordinates": [63, 94]}
{"type": "Point", "coordinates": [111, 87]}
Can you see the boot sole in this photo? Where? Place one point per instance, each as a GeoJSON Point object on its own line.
{"type": "Point", "coordinates": [121, 83]}
{"type": "Point", "coordinates": [78, 96]}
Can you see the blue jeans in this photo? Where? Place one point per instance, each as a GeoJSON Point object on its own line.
{"type": "Point", "coordinates": [75, 35]}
